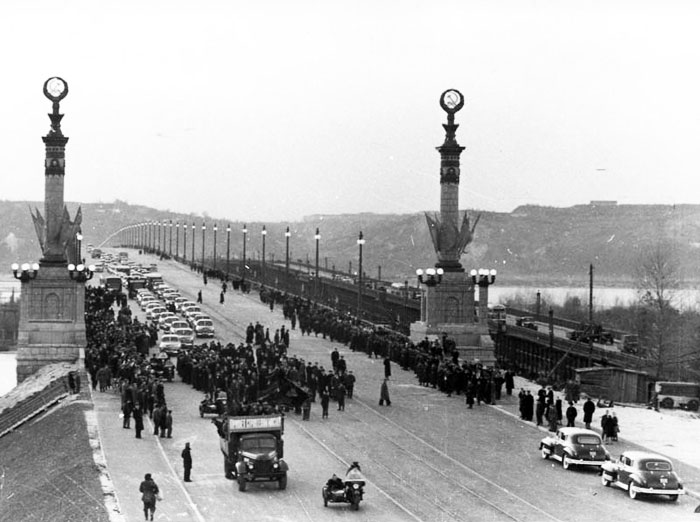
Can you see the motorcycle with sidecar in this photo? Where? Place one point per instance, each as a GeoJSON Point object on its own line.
{"type": "Point", "coordinates": [351, 493]}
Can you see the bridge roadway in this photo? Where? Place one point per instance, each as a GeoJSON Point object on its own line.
{"type": "Point", "coordinates": [426, 457]}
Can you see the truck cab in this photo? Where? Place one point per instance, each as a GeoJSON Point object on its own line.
{"type": "Point", "coordinates": [253, 449]}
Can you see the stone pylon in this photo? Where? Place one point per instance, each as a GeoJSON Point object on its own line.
{"type": "Point", "coordinates": [52, 310]}
{"type": "Point", "coordinates": [447, 302]}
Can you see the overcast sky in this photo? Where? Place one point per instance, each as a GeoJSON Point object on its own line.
{"type": "Point", "coordinates": [274, 110]}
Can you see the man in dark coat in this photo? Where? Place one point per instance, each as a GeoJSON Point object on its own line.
{"type": "Point", "coordinates": [149, 491]}
{"type": "Point", "coordinates": [138, 421]}
{"type": "Point", "coordinates": [187, 461]}
{"type": "Point", "coordinates": [510, 382]}
{"type": "Point", "coordinates": [387, 368]}
{"type": "Point", "coordinates": [384, 394]}
{"type": "Point", "coordinates": [529, 405]}
{"type": "Point", "coordinates": [571, 413]}
{"type": "Point", "coordinates": [168, 424]}
{"type": "Point", "coordinates": [588, 410]}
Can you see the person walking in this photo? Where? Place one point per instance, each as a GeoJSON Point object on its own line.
{"type": "Point", "coordinates": [169, 424]}
{"type": "Point", "coordinates": [384, 393]}
{"type": "Point", "coordinates": [187, 461]}
{"type": "Point", "coordinates": [221, 297]}
{"type": "Point", "coordinates": [127, 409]}
{"type": "Point", "coordinates": [325, 397]}
{"type": "Point", "coordinates": [149, 495]}
{"type": "Point", "coordinates": [340, 395]}
{"type": "Point", "coordinates": [571, 413]}
{"type": "Point", "coordinates": [588, 410]}
{"type": "Point", "coordinates": [199, 297]}
{"type": "Point", "coordinates": [387, 367]}
{"type": "Point", "coordinates": [138, 421]}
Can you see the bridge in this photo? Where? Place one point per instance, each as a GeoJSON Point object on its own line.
{"type": "Point", "coordinates": [545, 352]}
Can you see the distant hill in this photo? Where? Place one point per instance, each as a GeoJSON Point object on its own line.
{"type": "Point", "coordinates": [532, 244]}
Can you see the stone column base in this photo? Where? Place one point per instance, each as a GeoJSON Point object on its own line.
{"type": "Point", "coordinates": [473, 340]}
{"type": "Point", "coordinates": [31, 358]}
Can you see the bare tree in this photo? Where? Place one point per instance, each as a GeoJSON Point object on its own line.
{"type": "Point", "coordinates": [657, 281]}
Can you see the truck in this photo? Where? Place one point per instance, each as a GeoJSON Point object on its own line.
{"type": "Point", "coordinates": [253, 448]}
{"type": "Point", "coordinates": [593, 332]}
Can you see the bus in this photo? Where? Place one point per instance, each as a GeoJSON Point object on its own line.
{"type": "Point", "coordinates": [112, 283]}
{"type": "Point", "coordinates": [152, 278]}
{"type": "Point", "coordinates": [678, 394]}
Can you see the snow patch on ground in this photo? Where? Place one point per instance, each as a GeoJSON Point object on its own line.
{"type": "Point", "coordinates": [35, 383]}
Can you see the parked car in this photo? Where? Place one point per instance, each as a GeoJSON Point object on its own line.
{"type": "Point", "coordinates": [204, 328]}
{"type": "Point", "coordinates": [186, 335]}
{"type": "Point", "coordinates": [170, 344]}
{"type": "Point", "coordinates": [162, 367]}
{"type": "Point", "coordinates": [184, 307]}
{"type": "Point", "coordinates": [642, 472]}
{"type": "Point", "coordinates": [178, 302]}
{"type": "Point", "coordinates": [154, 312]}
{"type": "Point", "coordinates": [167, 323]}
{"type": "Point", "coordinates": [193, 317]}
{"type": "Point", "coordinates": [575, 446]}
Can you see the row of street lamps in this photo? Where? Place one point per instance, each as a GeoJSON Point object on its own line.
{"type": "Point", "coordinates": [152, 235]}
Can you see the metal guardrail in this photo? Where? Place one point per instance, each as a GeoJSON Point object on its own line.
{"type": "Point", "coordinates": [573, 347]}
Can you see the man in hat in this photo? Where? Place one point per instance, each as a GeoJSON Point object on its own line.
{"type": "Point", "coordinates": [187, 461]}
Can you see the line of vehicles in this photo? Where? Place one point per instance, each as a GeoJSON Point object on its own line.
{"type": "Point", "coordinates": [637, 472]}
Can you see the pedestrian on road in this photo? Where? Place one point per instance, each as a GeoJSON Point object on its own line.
{"type": "Point", "coordinates": [384, 394]}
{"type": "Point", "coordinates": [199, 297]}
{"type": "Point", "coordinates": [340, 395]}
{"type": "Point", "coordinates": [387, 368]}
{"type": "Point", "coordinates": [187, 461]}
{"type": "Point", "coordinates": [325, 397]}
{"type": "Point", "coordinates": [588, 410]}
{"type": "Point", "coordinates": [221, 297]}
{"type": "Point", "coordinates": [126, 411]}
{"type": "Point", "coordinates": [553, 419]}
{"type": "Point", "coordinates": [149, 495]}
{"type": "Point", "coordinates": [138, 421]}
{"type": "Point", "coordinates": [169, 424]}
{"type": "Point", "coordinates": [571, 413]}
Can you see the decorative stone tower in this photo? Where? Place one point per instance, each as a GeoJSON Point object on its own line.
{"type": "Point", "coordinates": [447, 301]}
{"type": "Point", "coordinates": [52, 311]}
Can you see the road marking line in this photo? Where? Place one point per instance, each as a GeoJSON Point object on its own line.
{"type": "Point", "coordinates": [324, 446]}
{"type": "Point", "coordinates": [188, 498]}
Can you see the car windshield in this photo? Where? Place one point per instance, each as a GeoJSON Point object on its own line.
{"type": "Point", "coordinates": [657, 465]}
{"type": "Point", "coordinates": [259, 444]}
{"type": "Point", "coordinates": [204, 322]}
{"type": "Point", "coordinates": [588, 439]}
{"type": "Point", "coordinates": [171, 339]}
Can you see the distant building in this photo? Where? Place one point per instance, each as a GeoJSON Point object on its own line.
{"type": "Point", "coordinates": [602, 203]}
{"type": "Point", "coordinates": [9, 323]}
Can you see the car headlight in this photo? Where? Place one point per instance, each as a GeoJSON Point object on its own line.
{"type": "Point", "coordinates": [275, 465]}
{"type": "Point", "coordinates": [356, 486]}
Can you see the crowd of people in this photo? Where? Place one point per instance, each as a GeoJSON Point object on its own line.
{"type": "Point", "coordinates": [116, 357]}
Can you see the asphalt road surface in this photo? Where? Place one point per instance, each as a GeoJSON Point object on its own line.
{"type": "Point", "coordinates": [426, 457]}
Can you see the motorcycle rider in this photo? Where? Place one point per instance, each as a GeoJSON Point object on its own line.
{"type": "Point", "coordinates": [354, 472]}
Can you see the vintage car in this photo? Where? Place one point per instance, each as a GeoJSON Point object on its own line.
{"type": "Point", "coordinates": [642, 472]}
{"type": "Point", "coordinates": [162, 367]}
{"type": "Point", "coordinates": [574, 446]}
{"type": "Point", "coordinates": [170, 344]}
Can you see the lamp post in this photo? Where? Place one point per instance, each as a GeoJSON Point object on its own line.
{"type": "Point", "coordinates": [483, 278]}
{"type": "Point", "coordinates": [177, 239]}
{"type": "Point", "coordinates": [193, 260]}
{"type": "Point", "coordinates": [184, 242]}
{"type": "Point", "coordinates": [264, 235]}
{"type": "Point", "coordinates": [360, 243]}
{"type": "Point", "coordinates": [245, 238]}
{"type": "Point", "coordinates": [317, 237]}
{"type": "Point", "coordinates": [428, 277]}
{"type": "Point", "coordinates": [287, 235]}
{"type": "Point", "coordinates": [80, 273]}
{"type": "Point", "coordinates": [215, 229]}
{"type": "Point", "coordinates": [170, 241]}
{"type": "Point", "coordinates": [228, 247]}
{"type": "Point", "coordinates": [204, 229]}
{"type": "Point", "coordinates": [78, 245]}
{"type": "Point", "coordinates": [158, 245]}
{"type": "Point", "coordinates": [26, 272]}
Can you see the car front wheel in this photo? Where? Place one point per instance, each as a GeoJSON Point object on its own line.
{"type": "Point", "coordinates": [673, 497]}
{"type": "Point", "coordinates": [545, 453]}
{"type": "Point", "coordinates": [632, 491]}
{"type": "Point", "coordinates": [565, 461]}
{"type": "Point", "coordinates": [604, 481]}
